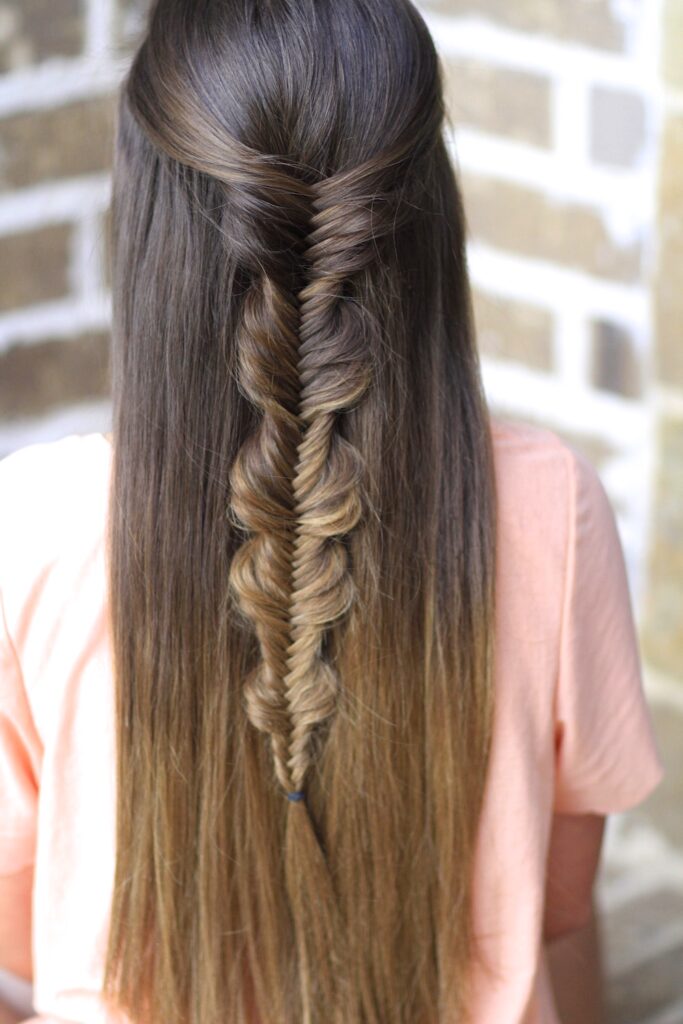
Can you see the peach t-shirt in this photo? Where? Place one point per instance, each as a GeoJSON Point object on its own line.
{"type": "Point", "coordinates": [571, 732]}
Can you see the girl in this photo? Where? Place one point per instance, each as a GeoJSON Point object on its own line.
{"type": "Point", "coordinates": [317, 680]}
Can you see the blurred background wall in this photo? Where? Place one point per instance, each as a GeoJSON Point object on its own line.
{"type": "Point", "coordinates": [567, 120]}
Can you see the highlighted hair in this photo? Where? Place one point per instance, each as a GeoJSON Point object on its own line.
{"type": "Point", "coordinates": [302, 524]}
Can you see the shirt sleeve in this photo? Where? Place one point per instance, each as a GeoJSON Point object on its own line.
{"type": "Point", "coordinates": [19, 744]}
{"type": "Point", "coordinates": [606, 754]}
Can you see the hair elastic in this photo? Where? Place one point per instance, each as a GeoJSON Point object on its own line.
{"type": "Point", "coordinates": [296, 795]}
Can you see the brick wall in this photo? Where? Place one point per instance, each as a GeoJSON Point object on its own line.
{"type": "Point", "coordinates": [60, 62]}
{"type": "Point", "coordinates": [556, 111]}
{"type": "Point", "coordinates": [663, 613]}
{"type": "Point", "coordinates": [556, 122]}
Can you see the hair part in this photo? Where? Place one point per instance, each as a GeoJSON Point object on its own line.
{"type": "Point", "coordinates": [301, 534]}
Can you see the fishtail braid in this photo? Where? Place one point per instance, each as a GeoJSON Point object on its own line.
{"type": "Point", "coordinates": [297, 483]}
{"type": "Point", "coordinates": [261, 499]}
{"type": "Point", "coordinates": [335, 369]}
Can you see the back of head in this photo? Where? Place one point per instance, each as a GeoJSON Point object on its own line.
{"type": "Point", "coordinates": [302, 524]}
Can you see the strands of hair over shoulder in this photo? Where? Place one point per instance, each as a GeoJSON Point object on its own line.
{"type": "Point", "coordinates": [301, 533]}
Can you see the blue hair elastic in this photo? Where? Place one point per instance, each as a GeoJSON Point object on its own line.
{"type": "Point", "coordinates": [296, 795]}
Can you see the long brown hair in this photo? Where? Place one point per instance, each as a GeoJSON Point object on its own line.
{"type": "Point", "coordinates": [301, 541]}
